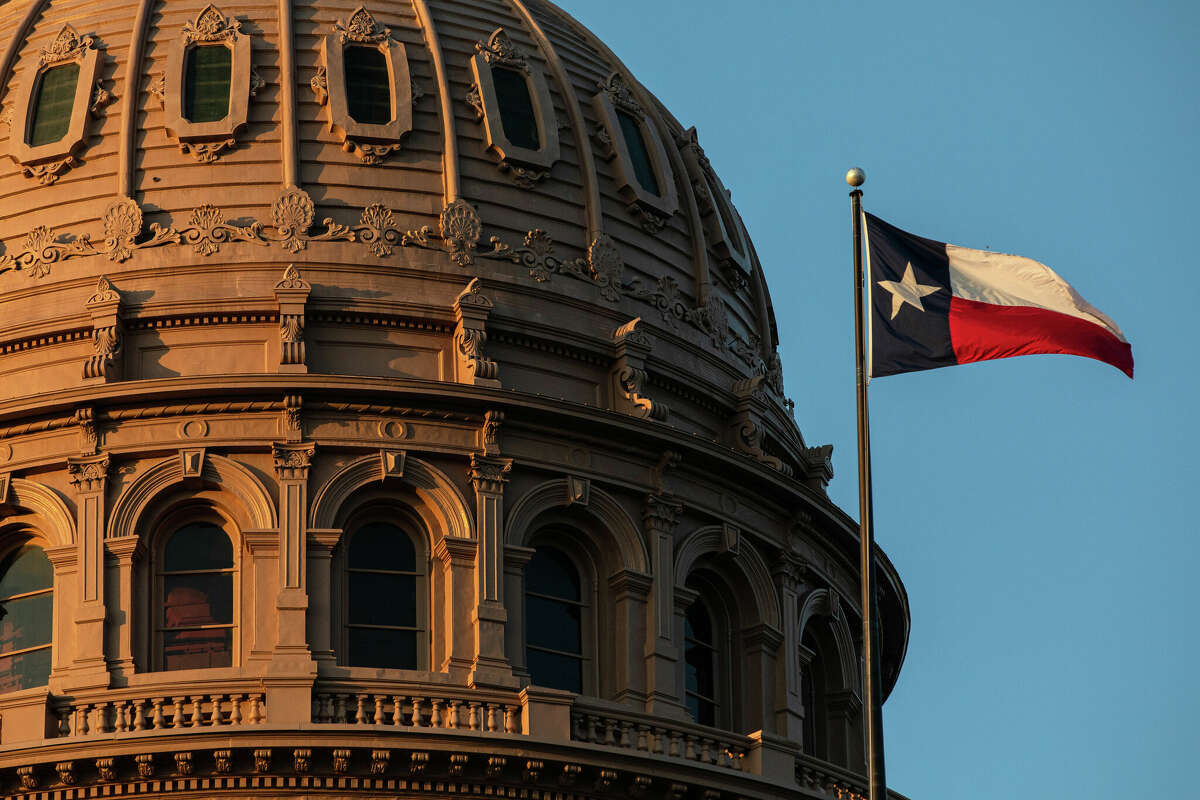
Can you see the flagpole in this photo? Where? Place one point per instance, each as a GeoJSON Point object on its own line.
{"type": "Point", "coordinates": [872, 688]}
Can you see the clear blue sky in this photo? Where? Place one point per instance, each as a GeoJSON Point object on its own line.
{"type": "Point", "coordinates": [1037, 508]}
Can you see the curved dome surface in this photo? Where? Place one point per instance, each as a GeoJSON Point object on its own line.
{"type": "Point", "coordinates": [565, 237]}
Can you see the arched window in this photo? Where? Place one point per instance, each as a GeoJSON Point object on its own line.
{"type": "Point", "coordinates": [53, 103]}
{"type": "Point", "coordinates": [196, 587]}
{"type": "Point", "coordinates": [639, 154]}
{"type": "Point", "coordinates": [207, 76]}
{"type": "Point", "coordinates": [554, 611]}
{"type": "Point", "coordinates": [701, 664]}
{"type": "Point", "coordinates": [368, 85]}
{"type": "Point", "coordinates": [384, 599]}
{"type": "Point", "coordinates": [812, 694]}
{"type": "Point", "coordinates": [517, 114]}
{"type": "Point", "coordinates": [26, 615]}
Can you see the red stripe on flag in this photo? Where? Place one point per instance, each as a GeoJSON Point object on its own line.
{"type": "Point", "coordinates": [982, 331]}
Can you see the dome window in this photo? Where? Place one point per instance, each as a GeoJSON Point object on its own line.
{"type": "Point", "coordinates": [54, 104]}
{"type": "Point", "coordinates": [52, 108]}
{"type": "Point", "coordinates": [26, 617]}
{"type": "Point", "coordinates": [196, 597]}
{"type": "Point", "coordinates": [368, 91]}
{"type": "Point", "coordinates": [512, 102]}
{"type": "Point", "coordinates": [635, 143]}
{"type": "Point", "coordinates": [364, 83]}
{"type": "Point", "coordinates": [208, 84]}
{"type": "Point", "coordinates": [554, 614]}
{"type": "Point", "coordinates": [384, 585]}
{"type": "Point", "coordinates": [643, 172]}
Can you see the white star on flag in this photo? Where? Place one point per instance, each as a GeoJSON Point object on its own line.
{"type": "Point", "coordinates": [907, 290]}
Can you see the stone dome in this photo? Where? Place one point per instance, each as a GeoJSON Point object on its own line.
{"type": "Point", "coordinates": [563, 238]}
{"type": "Point", "coordinates": [282, 281]}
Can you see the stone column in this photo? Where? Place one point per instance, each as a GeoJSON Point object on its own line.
{"type": "Point", "coordinates": [660, 516]}
{"type": "Point", "coordinates": [515, 559]}
{"type": "Point", "coordinates": [629, 592]}
{"type": "Point", "coordinates": [759, 645]}
{"type": "Point", "coordinates": [490, 667]}
{"type": "Point", "coordinates": [292, 462]}
{"type": "Point", "coordinates": [123, 553]}
{"type": "Point", "coordinates": [320, 609]}
{"type": "Point", "coordinates": [457, 556]}
{"type": "Point", "coordinates": [89, 476]}
{"type": "Point", "coordinates": [789, 706]}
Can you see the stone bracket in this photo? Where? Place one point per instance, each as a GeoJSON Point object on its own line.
{"type": "Point", "coordinates": [291, 295]}
{"type": "Point", "coordinates": [745, 427]}
{"type": "Point", "coordinates": [631, 347]}
{"type": "Point", "coordinates": [104, 365]}
{"type": "Point", "coordinates": [471, 366]}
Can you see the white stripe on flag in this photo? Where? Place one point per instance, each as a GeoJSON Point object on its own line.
{"type": "Point", "coordinates": [1006, 280]}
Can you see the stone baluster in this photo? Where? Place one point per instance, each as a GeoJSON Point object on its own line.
{"type": "Point", "coordinates": [139, 715]}
{"type": "Point", "coordinates": [416, 712]}
{"type": "Point", "coordinates": [397, 710]}
{"type": "Point", "coordinates": [379, 718]}
{"type": "Point", "coordinates": [156, 718]}
{"type": "Point", "coordinates": [452, 715]}
{"type": "Point", "coordinates": [256, 710]}
{"type": "Point", "coordinates": [235, 709]}
{"type": "Point", "coordinates": [177, 712]}
{"type": "Point", "coordinates": [435, 712]}
{"type": "Point", "coordinates": [473, 710]}
{"type": "Point", "coordinates": [360, 714]}
{"type": "Point", "coordinates": [196, 713]}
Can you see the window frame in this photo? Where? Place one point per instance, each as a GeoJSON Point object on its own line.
{"type": "Point", "coordinates": [653, 210]}
{"type": "Point", "coordinates": [715, 657]}
{"type": "Point", "coordinates": [206, 140]}
{"type": "Point", "coordinates": [587, 617]}
{"type": "Point", "coordinates": [525, 165]}
{"type": "Point", "coordinates": [404, 521]}
{"type": "Point", "coordinates": [8, 546]}
{"type": "Point", "coordinates": [171, 524]}
{"type": "Point", "coordinates": [48, 161]}
{"type": "Point", "coordinates": [372, 143]}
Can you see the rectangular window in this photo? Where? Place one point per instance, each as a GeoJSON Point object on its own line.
{"type": "Point", "coordinates": [368, 85]}
{"type": "Point", "coordinates": [635, 143]}
{"type": "Point", "coordinates": [54, 101]}
{"type": "Point", "coordinates": [516, 108]}
{"type": "Point", "coordinates": [207, 73]}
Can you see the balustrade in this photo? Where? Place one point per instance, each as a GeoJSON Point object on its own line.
{"type": "Point", "coordinates": [657, 736]}
{"type": "Point", "coordinates": [165, 712]}
{"type": "Point", "coordinates": [489, 714]}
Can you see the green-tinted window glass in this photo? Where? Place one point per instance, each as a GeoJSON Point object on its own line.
{"type": "Point", "coordinates": [368, 85]}
{"type": "Point", "coordinates": [635, 143]}
{"type": "Point", "coordinates": [55, 99]}
{"type": "Point", "coordinates": [516, 107]}
{"type": "Point", "coordinates": [26, 614]}
{"type": "Point", "coordinates": [207, 73]}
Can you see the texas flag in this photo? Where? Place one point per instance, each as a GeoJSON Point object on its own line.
{"type": "Point", "coordinates": [935, 304]}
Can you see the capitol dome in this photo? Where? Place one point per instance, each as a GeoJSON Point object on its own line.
{"type": "Point", "coordinates": [391, 403]}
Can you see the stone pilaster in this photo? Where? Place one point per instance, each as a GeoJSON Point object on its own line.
{"type": "Point", "coordinates": [789, 705]}
{"type": "Point", "coordinates": [122, 555]}
{"type": "Point", "coordinates": [515, 559]}
{"type": "Point", "coordinates": [89, 476]}
{"type": "Point", "coordinates": [760, 643]}
{"type": "Point", "coordinates": [457, 557]}
{"type": "Point", "coordinates": [630, 591]}
{"type": "Point", "coordinates": [292, 462]}
{"type": "Point", "coordinates": [490, 667]}
{"type": "Point", "coordinates": [320, 611]}
{"type": "Point", "coordinates": [660, 516]}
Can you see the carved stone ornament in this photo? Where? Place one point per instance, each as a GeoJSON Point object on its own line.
{"type": "Point", "coordinates": [89, 436]}
{"type": "Point", "coordinates": [223, 761]}
{"type": "Point", "coordinates": [27, 778]}
{"type": "Point", "coordinates": [460, 229]}
{"type": "Point", "coordinates": [105, 305]}
{"type": "Point", "coordinates": [620, 94]}
{"type": "Point", "coordinates": [723, 228]}
{"type": "Point", "coordinates": [66, 773]}
{"type": "Point", "coordinates": [302, 759]}
{"type": "Point", "coordinates": [183, 763]}
{"type": "Point", "coordinates": [88, 475]}
{"type": "Point", "coordinates": [607, 266]}
{"type": "Point", "coordinates": [471, 309]}
{"type": "Point", "coordinates": [361, 27]}
{"type": "Point", "coordinates": [47, 162]}
{"type": "Point", "coordinates": [292, 461]}
{"type": "Point", "coordinates": [210, 25]}
{"type": "Point", "coordinates": [205, 141]}
{"type": "Point", "coordinates": [145, 764]}
{"type": "Point", "coordinates": [341, 760]}
{"type": "Point", "coordinates": [492, 423]}
{"type": "Point", "coordinates": [526, 166]}
{"type": "Point", "coordinates": [379, 761]}
{"type": "Point", "coordinates": [105, 770]}
{"type": "Point", "coordinates": [371, 142]}
{"type": "Point", "coordinates": [262, 760]}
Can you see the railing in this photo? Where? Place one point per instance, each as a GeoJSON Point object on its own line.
{"type": "Point", "coordinates": [456, 710]}
{"type": "Point", "coordinates": [140, 713]}
{"type": "Point", "coordinates": [654, 735]}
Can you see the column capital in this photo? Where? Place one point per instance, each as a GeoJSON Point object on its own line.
{"type": "Point", "coordinates": [661, 512]}
{"type": "Point", "coordinates": [89, 474]}
{"type": "Point", "coordinates": [456, 550]}
{"type": "Point", "coordinates": [125, 549]}
{"type": "Point", "coordinates": [489, 474]}
{"type": "Point", "coordinates": [292, 460]}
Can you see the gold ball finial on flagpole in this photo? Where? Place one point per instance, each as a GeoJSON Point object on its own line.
{"type": "Point", "coordinates": [855, 177]}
